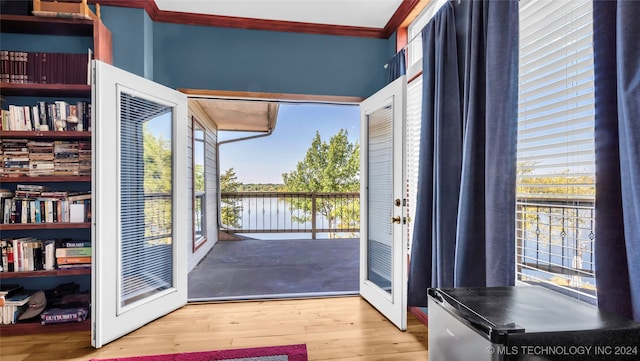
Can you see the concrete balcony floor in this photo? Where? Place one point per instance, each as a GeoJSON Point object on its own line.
{"type": "Point", "coordinates": [264, 269]}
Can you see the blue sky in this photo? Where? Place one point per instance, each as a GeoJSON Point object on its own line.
{"type": "Point", "coordinates": [263, 160]}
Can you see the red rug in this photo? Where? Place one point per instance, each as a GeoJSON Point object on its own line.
{"type": "Point", "coordinates": [274, 353]}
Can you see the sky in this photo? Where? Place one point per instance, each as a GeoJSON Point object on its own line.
{"type": "Point", "coordinates": [263, 160]}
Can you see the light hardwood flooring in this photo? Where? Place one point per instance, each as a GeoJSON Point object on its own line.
{"type": "Point", "coordinates": [344, 328]}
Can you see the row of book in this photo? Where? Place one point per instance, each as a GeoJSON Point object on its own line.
{"type": "Point", "coordinates": [43, 67]}
{"type": "Point", "coordinates": [36, 204]}
{"type": "Point", "coordinates": [33, 158]}
{"type": "Point", "coordinates": [25, 254]}
{"type": "Point", "coordinates": [48, 116]}
{"type": "Point", "coordinates": [14, 305]}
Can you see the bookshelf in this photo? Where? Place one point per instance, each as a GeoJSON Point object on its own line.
{"type": "Point", "coordinates": [45, 90]}
{"type": "Point", "coordinates": [18, 94]}
{"type": "Point", "coordinates": [28, 274]}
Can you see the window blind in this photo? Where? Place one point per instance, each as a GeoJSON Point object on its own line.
{"type": "Point", "coordinates": [556, 166]}
{"type": "Point", "coordinates": [412, 147]}
{"type": "Point", "coordinates": [380, 196]}
{"type": "Point", "coordinates": [555, 110]}
{"type": "Point", "coordinates": [146, 211]}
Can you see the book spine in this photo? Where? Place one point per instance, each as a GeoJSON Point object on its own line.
{"type": "Point", "coordinates": [73, 252]}
{"type": "Point", "coordinates": [73, 260]}
{"type": "Point", "coordinates": [49, 255]}
{"type": "Point", "coordinates": [74, 244]}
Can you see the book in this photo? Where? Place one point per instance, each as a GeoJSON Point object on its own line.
{"type": "Point", "coordinates": [60, 315]}
{"type": "Point", "coordinates": [49, 254]}
{"type": "Point", "coordinates": [76, 213]}
{"type": "Point", "coordinates": [73, 252]}
{"type": "Point", "coordinates": [73, 260]}
{"type": "Point", "coordinates": [18, 299]}
{"type": "Point", "coordinates": [73, 244]}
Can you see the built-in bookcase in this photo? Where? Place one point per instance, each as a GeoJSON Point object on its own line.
{"type": "Point", "coordinates": [22, 93]}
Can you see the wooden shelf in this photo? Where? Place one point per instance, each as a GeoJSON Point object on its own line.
{"type": "Point", "coordinates": [21, 134]}
{"type": "Point", "coordinates": [32, 226]}
{"type": "Point", "coordinates": [54, 273]}
{"type": "Point", "coordinates": [22, 24]}
{"type": "Point", "coordinates": [45, 90]}
{"type": "Point", "coordinates": [46, 179]}
{"type": "Point", "coordinates": [34, 327]}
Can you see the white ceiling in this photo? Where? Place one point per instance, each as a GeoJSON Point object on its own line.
{"type": "Point", "coordinates": [360, 13]}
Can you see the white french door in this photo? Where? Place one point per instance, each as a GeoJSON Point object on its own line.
{"type": "Point", "coordinates": [383, 226]}
{"type": "Point", "coordinates": [140, 195]}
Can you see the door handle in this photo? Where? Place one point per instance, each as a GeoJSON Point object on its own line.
{"type": "Point", "coordinates": [395, 219]}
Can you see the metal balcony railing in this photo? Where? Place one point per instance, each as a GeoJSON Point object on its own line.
{"type": "Point", "coordinates": [158, 218]}
{"type": "Point", "coordinates": [554, 245]}
{"type": "Point", "coordinates": [291, 212]}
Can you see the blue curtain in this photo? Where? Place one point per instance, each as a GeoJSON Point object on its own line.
{"type": "Point", "coordinates": [464, 230]}
{"type": "Point", "coordinates": [617, 139]}
{"type": "Point", "coordinates": [397, 66]}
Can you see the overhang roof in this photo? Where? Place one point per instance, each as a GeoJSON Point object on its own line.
{"type": "Point", "coordinates": [240, 115]}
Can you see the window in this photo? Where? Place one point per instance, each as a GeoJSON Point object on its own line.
{"type": "Point", "coordinates": [414, 32]}
{"type": "Point", "coordinates": [556, 168]}
{"type": "Point", "coordinates": [199, 185]}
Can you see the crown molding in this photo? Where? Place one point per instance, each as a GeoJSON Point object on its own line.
{"type": "Point", "coordinates": [403, 11]}
{"type": "Point", "coordinates": [259, 24]}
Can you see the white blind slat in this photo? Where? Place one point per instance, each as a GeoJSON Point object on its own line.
{"type": "Point", "coordinates": [380, 191]}
{"type": "Point", "coordinates": [412, 141]}
{"type": "Point", "coordinates": [145, 200]}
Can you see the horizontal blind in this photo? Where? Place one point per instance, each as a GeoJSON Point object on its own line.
{"type": "Point", "coordinates": [380, 195]}
{"type": "Point", "coordinates": [412, 146]}
{"type": "Point", "coordinates": [555, 110]}
{"type": "Point", "coordinates": [146, 212]}
{"type": "Point", "coordinates": [556, 162]}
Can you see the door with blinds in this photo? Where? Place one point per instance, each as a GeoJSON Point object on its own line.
{"type": "Point", "coordinates": [383, 226]}
{"type": "Point", "coordinates": [140, 201]}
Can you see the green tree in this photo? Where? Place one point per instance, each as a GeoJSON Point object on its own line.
{"type": "Point", "coordinates": [328, 167]}
{"type": "Point", "coordinates": [158, 182]}
{"type": "Point", "coordinates": [198, 174]}
{"type": "Point", "coordinates": [157, 163]}
{"type": "Point", "coordinates": [230, 208]}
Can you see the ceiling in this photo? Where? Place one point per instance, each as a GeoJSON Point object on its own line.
{"type": "Point", "coordinates": [358, 13]}
{"type": "Point", "coordinates": [239, 115]}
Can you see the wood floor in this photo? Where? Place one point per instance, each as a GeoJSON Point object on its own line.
{"type": "Point", "coordinates": [345, 328]}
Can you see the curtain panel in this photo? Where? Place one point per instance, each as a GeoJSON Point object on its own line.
{"type": "Point", "coordinates": [617, 141]}
{"type": "Point", "coordinates": [397, 66]}
{"type": "Point", "coordinates": [464, 230]}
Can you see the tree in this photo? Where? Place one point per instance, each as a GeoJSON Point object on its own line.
{"type": "Point", "coordinates": [328, 167]}
{"type": "Point", "coordinates": [157, 183]}
{"type": "Point", "coordinates": [230, 209]}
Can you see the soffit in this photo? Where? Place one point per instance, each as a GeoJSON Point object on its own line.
{"type": "Point", "coordinates": [240, 115]}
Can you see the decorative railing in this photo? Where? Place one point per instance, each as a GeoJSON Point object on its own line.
{"type": "Point", "coordinates": [554, 244]}
{"type": "Point", "coordinates": [291, 212]}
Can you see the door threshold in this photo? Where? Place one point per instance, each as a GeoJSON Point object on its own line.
{"type": "Point", "coordinates": [272, 297]}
